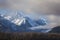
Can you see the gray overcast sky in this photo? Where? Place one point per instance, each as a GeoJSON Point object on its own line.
{"type": "Point", "coordinates": [45, 8]}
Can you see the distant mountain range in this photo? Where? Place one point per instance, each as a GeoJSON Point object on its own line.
{"type": "Point", "coordinates": [20, 23]}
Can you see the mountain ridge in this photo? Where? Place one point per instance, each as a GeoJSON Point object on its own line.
{"type": "Point", "coordinates": [23, 25]}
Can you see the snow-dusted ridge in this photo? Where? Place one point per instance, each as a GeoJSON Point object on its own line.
{"type": "Point", "coordinates": [25, 22]}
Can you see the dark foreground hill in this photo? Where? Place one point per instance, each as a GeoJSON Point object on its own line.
{"type": "Point", "coordinates": [29, 36]}
{"type": "Point", "coordinates": [55, 30]}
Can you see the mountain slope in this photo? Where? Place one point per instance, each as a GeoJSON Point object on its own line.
{"type": "Point", "coordinates": [55, 30]}
{"type": "Point", "coordinates": [20, 23]}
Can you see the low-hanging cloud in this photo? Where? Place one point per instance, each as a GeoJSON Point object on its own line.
{"type": "Point", "coordinates": [36, 6]}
